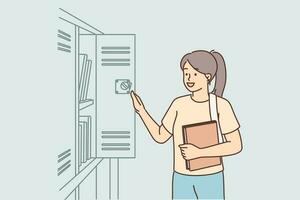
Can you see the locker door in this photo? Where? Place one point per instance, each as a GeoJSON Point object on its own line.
{"type": "Point", "coordinates": [115, 80]}
{"type": "Point", "coordinates": [65, 57]}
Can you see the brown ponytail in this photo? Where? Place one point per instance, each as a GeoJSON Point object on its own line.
{"type": "Point", "coordinates": [220, 74]}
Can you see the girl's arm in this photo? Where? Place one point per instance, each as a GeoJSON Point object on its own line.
{"type": "Point", "coordinates": [158, 133]}
{"type": "Point", "coordinates": [231, 147]}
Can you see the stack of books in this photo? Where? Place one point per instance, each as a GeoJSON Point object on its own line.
{"type": "Point", "coordinates": [84, 139]}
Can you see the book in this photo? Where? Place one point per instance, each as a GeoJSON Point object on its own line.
{"type": "Point", "coordinates": [79, 144]}
{"type": "Point", "coordinates": [87, 121]}
{"type": "Point", "coordinates": [204, 134]}
{"type": "Point", "coordinates": [89, 138]}
{"type": "Point", "coordinates": [83, 142]}
{"type": "Point", "coordinates": [87, 79]}
{"type": "Point", "coordinates": [83, 66]}
{"type": "Point", "coordinates": [88, 143]}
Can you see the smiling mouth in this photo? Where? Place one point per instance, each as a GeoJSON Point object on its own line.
{"type": "Point", "coordinates": [190, 84]}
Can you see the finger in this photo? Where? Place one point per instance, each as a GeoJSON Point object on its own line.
{"type": "Point", "coordinates": [132, 96]}
{"type": "Point", "coordinates": [139, 99]}
{"type": "Point", "coordinates": [183, 146]}
{"type": "Point", "coordinates": [131, 93]}
{"type": "Point", "coordinates": [134, 99]}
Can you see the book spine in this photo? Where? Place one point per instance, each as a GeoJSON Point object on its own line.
{"type": "Point", "coordinates": [84, 142]}
{"type": "Point", "coordinates": [90, 137]}
{"type": "Point", "coordinates": [79, 144]}
{"type": "Point", "coordinates": [82, 83]}
{"type": "Point", "coordinates": [87, 79]}
{"type": "Point", "coordinates": [187, 163]}
{"type": "Point", "coordinates": [87, 140]}
{"type": "Point", "coordinates": [83, 58]}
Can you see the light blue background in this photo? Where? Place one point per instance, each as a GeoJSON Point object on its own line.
{"type": "Point", "coordinates": [260, 43]}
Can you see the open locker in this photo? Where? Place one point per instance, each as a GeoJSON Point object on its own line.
{"type": "Point", "coordinates": [101, 68]}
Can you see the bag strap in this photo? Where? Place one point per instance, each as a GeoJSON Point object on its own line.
{"type": "Point", "coordinates": [214, 115]}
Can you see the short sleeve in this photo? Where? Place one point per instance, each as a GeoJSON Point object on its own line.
{"type": "Point", "coordinates": [227, 118]}
{"type": "Point", "coordinates": [169, 118]}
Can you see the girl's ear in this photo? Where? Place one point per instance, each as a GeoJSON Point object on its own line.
{"type": "Point", "coordinates": [208, 76]}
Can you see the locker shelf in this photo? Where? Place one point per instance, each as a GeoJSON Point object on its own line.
{"type": "Point", "coordinates": [84, 165]}
{"type": "Point", "coordinates": [85, 104]}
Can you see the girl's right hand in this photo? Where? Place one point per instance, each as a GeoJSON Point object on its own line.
{"type": "Point", "coordinates": [137, 103]}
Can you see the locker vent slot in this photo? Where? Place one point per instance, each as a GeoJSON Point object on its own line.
{"type": "Point", "coordinates": [65, 39]}
{"type": "Point", "coordinates": [63, 163]}
{"type": "Point", "coordinates": [118, 141]}
{"type": "Point", "coordinates": [116, 149]}
{"type": "Point", "coordinates": [115, 55]}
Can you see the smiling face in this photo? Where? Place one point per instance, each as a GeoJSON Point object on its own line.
{"type": "Point", "coordinates": [193, 79]}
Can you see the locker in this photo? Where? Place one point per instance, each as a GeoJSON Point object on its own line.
{"type": "Point", "coordinates": [115, 79]}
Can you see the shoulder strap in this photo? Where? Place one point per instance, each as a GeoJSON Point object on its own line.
{"type": "Point", "coordinates": [214, 114]}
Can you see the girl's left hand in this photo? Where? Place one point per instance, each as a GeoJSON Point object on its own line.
{"type": "Point", "coordinates": [190, 151]}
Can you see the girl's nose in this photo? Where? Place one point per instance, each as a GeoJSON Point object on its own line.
{"type": "Point", "coordinates": [189, 77]}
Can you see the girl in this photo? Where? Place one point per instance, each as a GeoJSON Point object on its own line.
{"type": "Point", "coordinates": [199, 68]}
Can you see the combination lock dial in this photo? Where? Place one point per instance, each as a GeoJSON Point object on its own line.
{"type": "Point", "coordinates": [122, 86]}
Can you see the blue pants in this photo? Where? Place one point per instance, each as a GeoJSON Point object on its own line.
{"type": "Point", "coordinates": [198, 187]}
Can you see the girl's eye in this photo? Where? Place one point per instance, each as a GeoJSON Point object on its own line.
{"type": "Point", "coordinates": [195, 74]}
{"type": "Point", "coordinates": [186, 74]}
